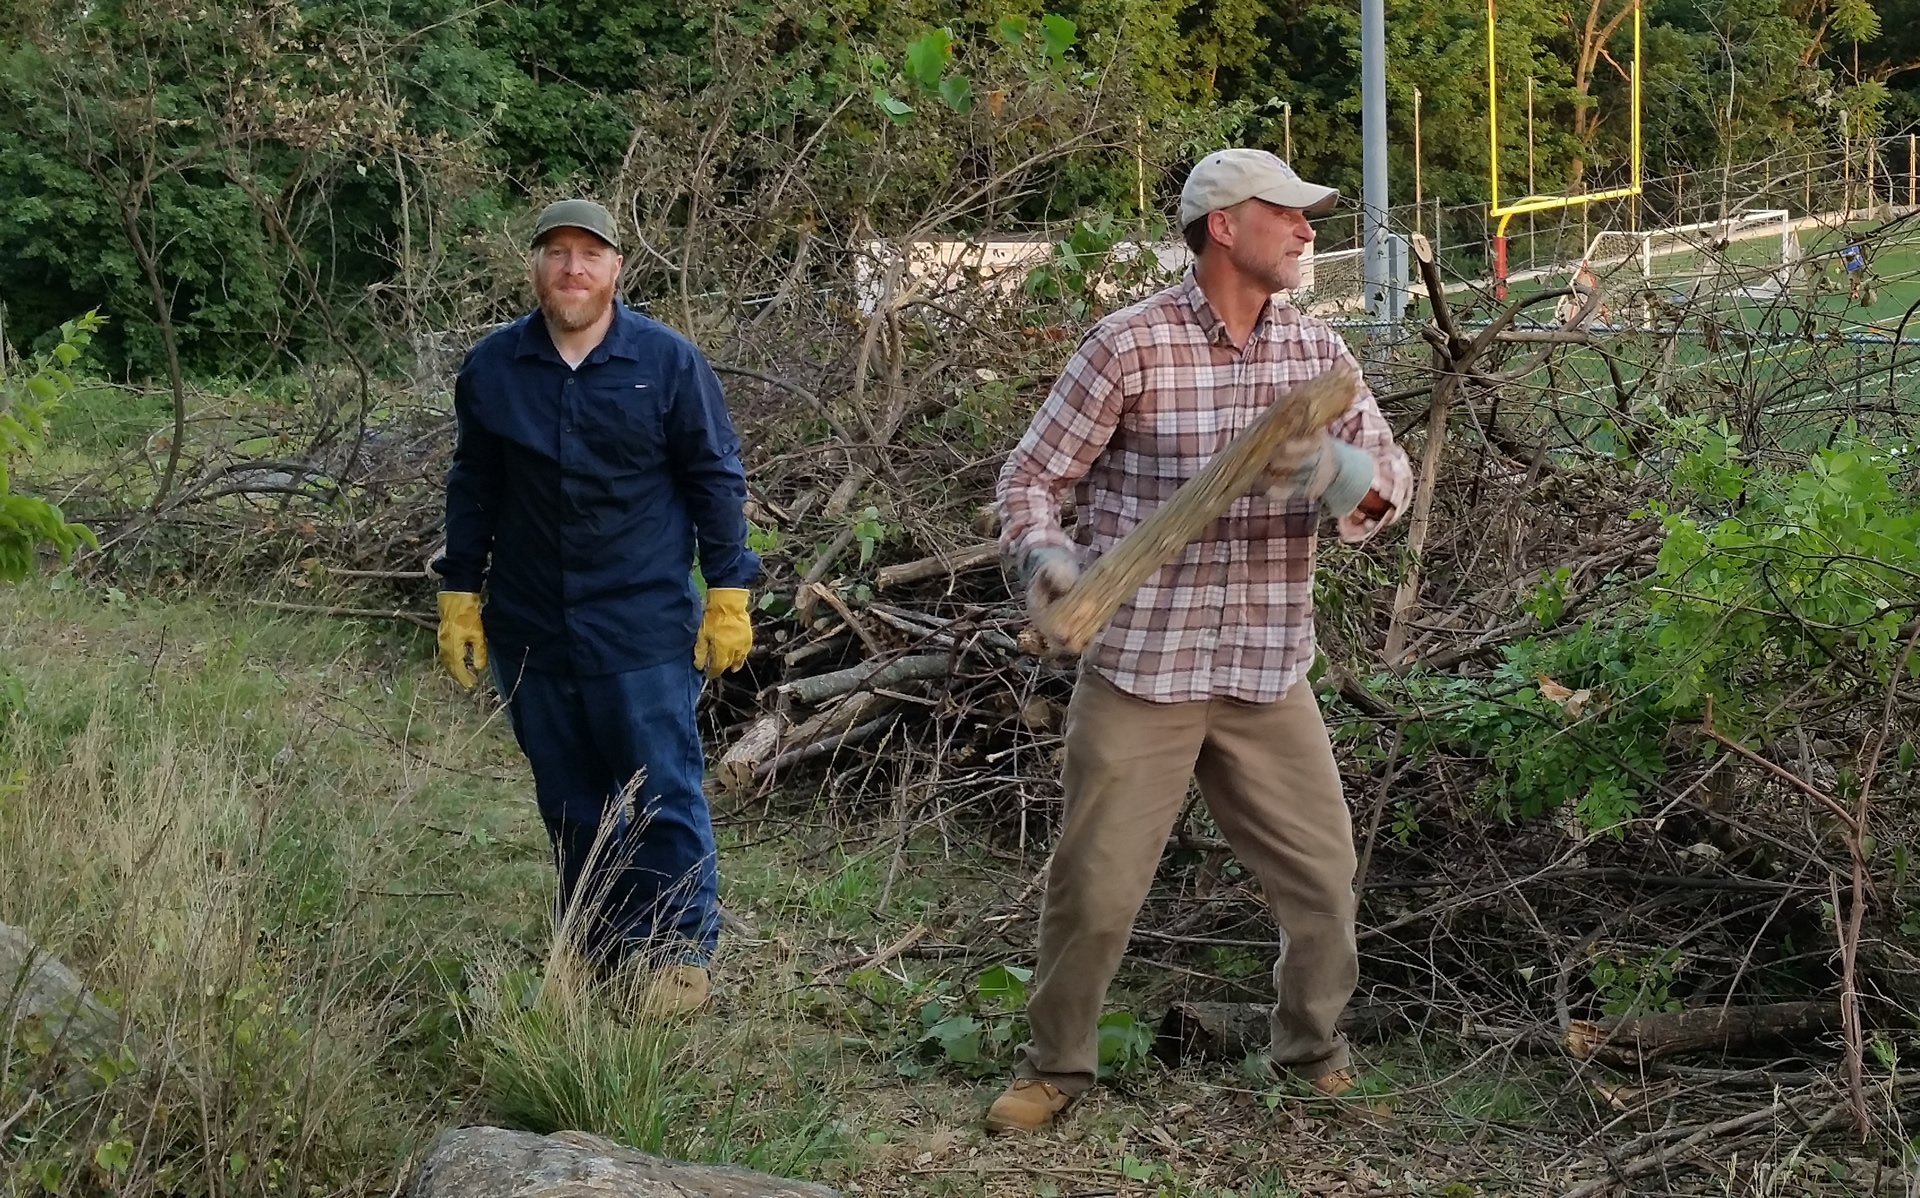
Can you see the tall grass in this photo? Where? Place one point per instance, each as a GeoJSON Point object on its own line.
{"type": "Point", "coordinates": [176, 841]}
{"type": "Point", "coordinates": [564, 1052]}
{"type": "Point", "coordinates": [319, 901]}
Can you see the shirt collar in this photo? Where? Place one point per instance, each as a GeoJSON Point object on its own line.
{"type": "Point", "coordinates": [622, 339]}
{"type": "Point", "coordinates": [1211, 326]}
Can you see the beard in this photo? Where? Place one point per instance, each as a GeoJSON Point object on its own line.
{"type": "Point", "coordinates": [1271, 271]}
{"type": "Point", "coordinates": [571, 313]}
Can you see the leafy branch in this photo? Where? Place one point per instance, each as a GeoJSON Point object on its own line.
{"type": "Point", "coordinates": [27, 405]}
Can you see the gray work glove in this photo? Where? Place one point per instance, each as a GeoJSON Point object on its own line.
{"type": "Point", "coordinates": [1321, 469]}
{"type": "Point", "coordinates": [1047, 573]}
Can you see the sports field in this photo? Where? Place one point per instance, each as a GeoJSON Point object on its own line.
{"type": "Point", "coordinates": [1793, 329]}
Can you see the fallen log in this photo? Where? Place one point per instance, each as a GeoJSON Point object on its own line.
{"type": "Point", "coordinates": [755, 745]}
{"type": "Point", "coordinates": [1072, 621]}
{"type": "Point", "coordinates": [1233, 1031]}
{"type": "Point", "coordinates": [821, 748]}
{"type": "Point", "coordinates": [972, 557]}
{"type": "Point", "coordinates": [838, 716]}
{"type": "Point", "coordinates": [869, 674]}
{"type": "Point", "coordinates": [937, 631]}
{"type": "Point", "coordinates": [1630, 1040]}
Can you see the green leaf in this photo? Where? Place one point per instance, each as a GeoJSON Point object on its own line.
{"type": "Point", "coordinates": [1059, 35]}
{"type": "Point", "coordinates": [957, 93]}
{"type": "Point", "coordinates": [1123, 1042]}
{"type": "Point", "coordinates": [114, 1155]}
{"type": "Point", "coordinates": [927, 58]}
{"type": "Point", "coordinates": [1003, 984]}
{"type": "Point", "coordinates": [1906, 755]}
{"type": "Point", "coordinates": [892, 105]}
{"type": "Point", "coordinates": [1012, 30]}
{"type": "Point", "coordinates": [958, 1037]}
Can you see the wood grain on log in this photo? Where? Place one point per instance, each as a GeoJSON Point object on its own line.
{"type": "Point", "coordinates": [1073, 620]}
{"type": "Point", "coordinates": [821, 748]}
{"type": "Point", "coordinates": [759, 742]}
{"type": "Point", "coordinates": [1233, 1031]}
{"type": "Point", "coordinates": [971, 557]}
{"type": "Point", "coordinates": [1630, 1040]}
{"type": "Point", "coordinates": [870, 674]}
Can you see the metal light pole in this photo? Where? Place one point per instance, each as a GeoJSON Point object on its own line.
{"type": "Point", "coordinates": [1416, 163]}
{"type": "Point", "coordinates": [1373, 137]}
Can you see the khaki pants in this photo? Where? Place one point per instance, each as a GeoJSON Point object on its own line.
{"type": "Point", "coordinates": [1267, 774]}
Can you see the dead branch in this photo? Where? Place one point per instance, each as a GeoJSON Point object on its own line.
{"type": "Point", "coordinates": [959, 561]}
{"type": "Point", "coordinates": [868, 674]}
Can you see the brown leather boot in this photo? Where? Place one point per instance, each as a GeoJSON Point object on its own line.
{"type": "Point", "coordinates": [675, 990]}
{"type": "Point", "coordinates": [1338, 1084]}
{"type": "Point", "coordinates": [1029, 1104]}
{"type": "Point", "coordinates": [1342, 1084]}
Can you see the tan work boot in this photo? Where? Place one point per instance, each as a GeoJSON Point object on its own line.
{"type": "Point", "coordinates": [1029, 1104]}
{"type": "Point", "coordinates": [1342, 1084]}
{"type": "Point", "coordinates": [675, 990]}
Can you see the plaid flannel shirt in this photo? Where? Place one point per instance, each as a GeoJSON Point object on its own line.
{"type": "Point", "coordinates": [1151, 394]}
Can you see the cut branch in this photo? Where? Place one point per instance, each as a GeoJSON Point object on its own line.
{"type": "Point", "coordinates": [1073, 620]}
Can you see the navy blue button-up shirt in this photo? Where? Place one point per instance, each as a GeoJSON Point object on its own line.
{"type": "Point", "coordinates": [576, 496]}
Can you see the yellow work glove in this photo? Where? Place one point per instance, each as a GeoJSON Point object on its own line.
{"type": "Point", "coordinates": [726, 634]}
{"type": "Point", "coordinates": [460, 633]}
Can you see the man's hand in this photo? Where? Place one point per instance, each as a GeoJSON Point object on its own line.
{"type": "Point", "coordinates": [1048, 573]}
{"type": "Point", "coordinates": [460, 634]}
{"type": "Point", "coordinates": [726, 634]}
{"type": "Point", "coordinates": [1322, 469]}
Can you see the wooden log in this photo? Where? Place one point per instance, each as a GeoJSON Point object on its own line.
{"type": "Point", "coordinates": [932, 631]}
{"type": "Point", "coordinates": [1233, 1031]}
{"type": "Point", "coordinates": [1072, 621]}
{"type": "Point", "coordinates": [837, 717]}
{"type": "Point", "coordinates": [1634, 1039]}
{"type": "Point", "coordinates": [971, 557]}
{"type": "Point", "coordinates": [759, 742]}
{"type": "Point", "coordinates": [821, 748]}
{"type": "Point", "coordinates": [869, 674]}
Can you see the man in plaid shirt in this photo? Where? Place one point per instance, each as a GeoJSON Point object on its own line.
{"type": "Point", "coordinates": [1203, 672]}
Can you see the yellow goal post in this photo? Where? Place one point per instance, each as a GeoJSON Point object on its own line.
{"type": "Point", "coordinates": [1536, 203]}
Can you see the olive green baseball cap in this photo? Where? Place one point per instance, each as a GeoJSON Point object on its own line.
{"type": "Point", "coordinates": [576, 214]}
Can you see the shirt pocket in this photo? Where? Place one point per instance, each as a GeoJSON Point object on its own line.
{"type": "Point", "coordinates": [623, 421]}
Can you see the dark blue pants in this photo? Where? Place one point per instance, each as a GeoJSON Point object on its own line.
{"type": "Point", "coordinates": [653, 886]}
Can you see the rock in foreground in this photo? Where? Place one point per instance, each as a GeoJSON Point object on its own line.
{"type": "Point", "coordinates": [491, 1162]}
{"type": "Point", "coordinates": [36, 988]}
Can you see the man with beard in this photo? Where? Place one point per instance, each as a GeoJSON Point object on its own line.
{"type": "Point", "coordinates": [1202, 674]}
{"type": "Point", "coordinates": [594, 453]}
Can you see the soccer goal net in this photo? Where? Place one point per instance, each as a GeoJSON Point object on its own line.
{"type": "Point", "coordinates": [1749, 255]}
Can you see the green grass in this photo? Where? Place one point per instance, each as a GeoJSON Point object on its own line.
{"type": "Point", "coordinates": [309, 871]}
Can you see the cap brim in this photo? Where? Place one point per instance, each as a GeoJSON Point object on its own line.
{"type": "Point", "coordinates": [1310, 198]}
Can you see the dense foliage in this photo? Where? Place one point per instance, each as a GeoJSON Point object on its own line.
{"type": "Point", "coordinates": [254, 185]}
{"type": "Point", "coordinates": [29, 523]}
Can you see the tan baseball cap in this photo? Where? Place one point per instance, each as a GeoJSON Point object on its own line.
{"type": "Point", "coordinates": [1227, 177]}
